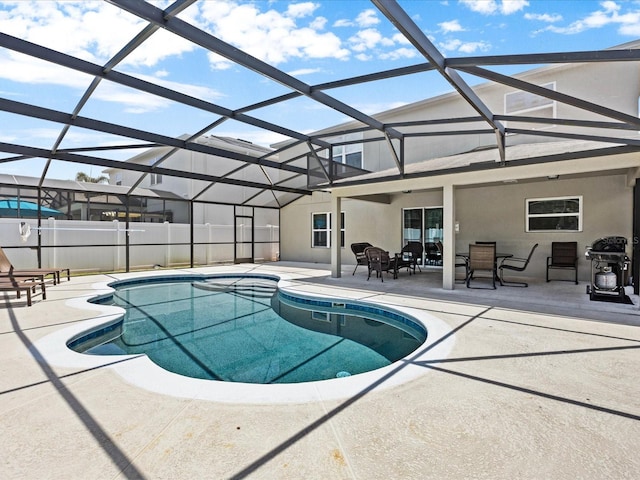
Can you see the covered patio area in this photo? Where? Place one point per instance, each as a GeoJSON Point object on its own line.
{"type": "Point", "coordinates": [539, 383]}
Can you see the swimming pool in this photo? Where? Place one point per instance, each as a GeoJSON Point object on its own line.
{"type": "Point", "coordinates": [140, 371]}
{"type": "Point", "coordinates": [244, 329]}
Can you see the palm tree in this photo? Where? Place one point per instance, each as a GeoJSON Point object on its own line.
{"type": "Point", "coordinates": [83, 177]}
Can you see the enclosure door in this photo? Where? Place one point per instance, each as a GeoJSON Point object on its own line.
{"type": "Point", "coordinates": [243, 238]}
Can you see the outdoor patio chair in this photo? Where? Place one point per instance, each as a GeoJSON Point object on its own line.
{"type": "Point", "coordinates": [379, 262]}
{"type": "Point", "coordinates": [409, 256]}
{"type": "Point", "coordinates": [564, 256]}
{"type": "Point", "coordinates": [432, 254]}
{"type": "Point", "coordinates": [358, 250]}
{"type": "Point", "coordinates": [7, 271]}
{"type": "Point", "coordinates": [22, 285]}
{"type": "Point", "coordinates": [482, 258]}
{"type": "Point", "coordinates": [515, 264]}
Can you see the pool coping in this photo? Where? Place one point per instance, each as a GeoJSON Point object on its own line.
{"type": "Point", "coordinates": [140, 371]}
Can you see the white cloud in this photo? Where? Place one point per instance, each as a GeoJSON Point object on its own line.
{"type": "Point", "coordinates": [298, 10]}
{"type": "Point", "coordinates": [132, 101]}
{"type": "Point", "coordinates": [544, 17]}
{"type": "Point", "coordinates": [609, 14]}
{"type": "Point", "coordinates": [455, 45]}
{"type": "Point", "coordinates": [269, 35]}
{"type": "Point", "coordinates": [303, 71]}
{"type": "Point", "coordinates": [512, 6]}
{"type": "Point", "coordinates": [365, 40]}
{"type": "Point", "coordinates": [450, 26]}
{"type": "Point", "coordinates": [399, 53]}
{"type": "Point", "coordinates": [343, 22]}
{"type": "Point", "coordinates": [367, 18]}
{"type": "Point", "coordinates": [99, 30]}
{"type": "Point", "coordinates": [631, 30]}
{"type": "Point", "coordinates": [318, 23]}
{"type": "Point", "coordinates": [24, 69]}
{"type": "Point", "coordinates": [490, 7]}
{"type": "Point", "coordinates": [485, 7]}
{"type": "Point", "coordinates": [28, 70]}
{"type": "Point", "coordinates": [401, 39]}
{"type": "Point", "coordinates": [472, 47]}
{"type": "Point", "coordinates": [198, 91]}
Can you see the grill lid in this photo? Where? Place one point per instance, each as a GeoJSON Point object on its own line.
{"type": "Point", "coordinates": [609, 244]}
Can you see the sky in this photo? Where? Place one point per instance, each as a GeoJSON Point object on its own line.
{"type": "Point", "coordinates": [314, 41]}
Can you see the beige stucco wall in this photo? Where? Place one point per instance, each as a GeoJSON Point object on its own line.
{"type": "Point", "coordinates": [610, 85]}
{"type": "Point", "coordinates": [484, 213]}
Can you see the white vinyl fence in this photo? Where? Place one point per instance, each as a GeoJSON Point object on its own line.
{"type": "Point", "coordinates": [85, 246]}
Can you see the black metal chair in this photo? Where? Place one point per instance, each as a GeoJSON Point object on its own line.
{"type": "Point", "coordinates": [482, 258]}
{"type": "Point", "coordinates": [462, 262]}
{"type": "Point", "coordinates": [564, 256]}
{"type": "Point", "coordinates": [515, 264]}
{"type": "Point", "coordinates": [358, 250]}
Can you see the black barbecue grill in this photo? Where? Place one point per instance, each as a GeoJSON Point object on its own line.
{"type": "Point", "coordinates": [609, 264]}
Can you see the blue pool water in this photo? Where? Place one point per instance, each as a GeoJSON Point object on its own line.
{"type": "Point", "coordinates": [243, 329]}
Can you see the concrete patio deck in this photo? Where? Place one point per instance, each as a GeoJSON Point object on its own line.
{"type": "Point", "coordinates": [540, 383]}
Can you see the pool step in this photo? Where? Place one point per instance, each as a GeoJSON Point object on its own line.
{"type": "Point", "coordinates": [253, 288]}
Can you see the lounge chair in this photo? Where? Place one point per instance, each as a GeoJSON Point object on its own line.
{"type": "Point", "coordinates": [22, 285]}
{"type": "Point", "coordinates": [515, 264]}
{"type": "Point", "coordinates": [564, 256]}
{"type": "Point", "coordinates": [7, 271]}
{"type": "Point", "coordinates": [482, 258]}
{"type": "Point", "coordinates": [358, 251]}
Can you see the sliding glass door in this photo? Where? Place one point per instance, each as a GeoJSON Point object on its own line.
{"type": "Point", "coordinates": [424, 225]}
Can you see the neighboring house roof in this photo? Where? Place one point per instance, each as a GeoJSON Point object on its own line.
{"type": "Point", "coordinates": [32, 182]}
{"type": "Point", "coordinates": [228, 143]}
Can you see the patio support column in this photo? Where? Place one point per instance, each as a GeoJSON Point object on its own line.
{"type": "Point", "coordinates": [449, 234]}
{"type": "Point", "coordinates": [336, 226]}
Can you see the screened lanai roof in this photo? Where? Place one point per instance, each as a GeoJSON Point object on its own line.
{"type": "Point", "coordinates": [261, 176]}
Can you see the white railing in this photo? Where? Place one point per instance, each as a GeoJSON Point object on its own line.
{"type": "Point", "coordinates": [85, 246]}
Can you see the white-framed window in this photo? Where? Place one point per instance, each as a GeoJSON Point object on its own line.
{"type": "Point", "coordinates": [321, 230]}
{"type": "Point", "coordinates": [532, 105]}
{"type": "Point", "coordinates": [118, 178]}
{"type": "Point", "coordinates": [155, 178]}
{"type": "Point", "coordinates": [555, 214]}
{"type": "Point", "coordinates": [348, 154]}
